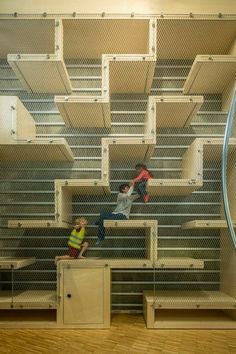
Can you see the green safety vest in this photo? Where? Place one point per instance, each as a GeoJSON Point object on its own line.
{"type": "Point", "coordinates": [76, 238]}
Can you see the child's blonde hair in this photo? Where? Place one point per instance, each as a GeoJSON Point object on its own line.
{"type": "Point", "coordinates": [82, 218]}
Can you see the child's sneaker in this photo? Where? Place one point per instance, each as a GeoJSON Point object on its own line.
{"type": "Point", "coordinates": [146, 198]}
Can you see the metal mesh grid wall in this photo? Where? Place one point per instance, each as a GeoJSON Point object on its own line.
{"type": "Point", "coordinates": [27, 187]}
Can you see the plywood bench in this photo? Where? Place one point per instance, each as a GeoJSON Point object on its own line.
{"type": "Point", "coordinates": [189, 309]}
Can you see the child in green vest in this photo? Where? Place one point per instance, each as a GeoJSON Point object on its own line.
{"type": "Point", "coordinates": [76, 243]}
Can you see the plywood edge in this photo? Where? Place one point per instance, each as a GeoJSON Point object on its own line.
{"type": "Point", "coordinates": [177, 99]}
{"type": "Point", "coordinates": [59, 183]}
{"type": "Point", "coordinates": [15, 263]}
{"type": "Point", "coordinates": [206, 224]}
{"type": "Point", "coordinates": [199, 61]}
{"type": "Point", "coordinates": [29, 224]}
{"type": "Point", "coordinates": [130, 223]}
{"type": "Point", "coordinates": [181, 263]}
{"type": "Point", "coordinates": [107, 262]}
{"type": "Point", "coordinates": [63, 79]}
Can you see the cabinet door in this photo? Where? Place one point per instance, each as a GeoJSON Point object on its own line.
{"type": "Point", "coordinates": [83, 296]}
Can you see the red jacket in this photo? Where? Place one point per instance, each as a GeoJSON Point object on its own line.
{"type": "Point", "coordinates": [143, 176]}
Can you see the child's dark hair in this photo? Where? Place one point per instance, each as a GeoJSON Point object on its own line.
{"type": "Point", "coordinates": [122, 187]}
{"type": "Point", "coordinates": [144, 167]}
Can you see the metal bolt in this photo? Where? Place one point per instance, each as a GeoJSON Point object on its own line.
{"type": "Point", "coordinates": [45, 14]}
{"type": "Point", "coordinates": [13, 108]}
{"type": "Point", "coordinates": [191, 15]}
{"type": "Point", "coordinates": [153, 25]}
{"type": "Point", "coordinates": [132, 14]}
{"type": "Point", "coordinates": [74, 14]}
{"type": "Point", "coordinates": [48, 56]}
{"type": "Point", "coordinates": [18, 56]}
{"type": "Point", "coordinates": [220, 15]}
{"type": "Point", "coordinates": [19, 224]}
{"type": "Point", "coordinates": [66, 183]}
{"type": "Point", "coordinates": [103, 14]}
{"type": "Point", "coordinates": [15, 14]}
{"type": "Point", "coordinates": [95, 99]}
{"type": "Point", "coordinates": [57, 47]}
{"type": "Point", "coordinates": [57, 23]}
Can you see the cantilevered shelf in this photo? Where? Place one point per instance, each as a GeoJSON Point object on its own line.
{"type": "Point", "coordinates": [15, 263]}
{"type": "Point", "coordinates": [175, 111]}
{"type": "Point", "coordinates": [207, 224]}
{"type": "Point", "coordinates": [210, 74]}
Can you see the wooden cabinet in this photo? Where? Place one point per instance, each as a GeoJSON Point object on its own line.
{"type": "Point", "coordinates": [84, 293]}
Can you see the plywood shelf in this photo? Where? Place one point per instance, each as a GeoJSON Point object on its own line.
{"type": "Point", "coordinates": [114, 263]}
{"type": "Point", "coordinates": [139, 149]}
{"type": "Point", "coordinates": [18, 136]}
{"type": "Point", "coordinates": [172, 186]}
{"type": "Point", "coordinates": [35, 224]}
{"type": "Point", "coordinates": [37, 150]}
{"type": "Point", "coordinates": [41, 73]}
{"type": "Point", "coordinates": [210, 74]}
{"type": "Point", "coordinates": [80, 111]}
{"type": "Point", "coordinates": [175, 111]}
{"type": "Point", "coordinates": [207, 224]}
{"type": "Point", "coordinates": [30, 299]}
{"type": "Point", "coordinates": [15, 263]}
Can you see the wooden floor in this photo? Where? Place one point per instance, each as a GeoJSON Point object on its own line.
{"type": "Point", "coordinates": [127, 335]}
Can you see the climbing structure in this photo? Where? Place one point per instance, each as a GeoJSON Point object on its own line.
{"type": "Point", "coordinates": [98, 95]}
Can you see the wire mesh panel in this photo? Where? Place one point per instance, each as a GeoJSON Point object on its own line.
{"type": "Point", "coordinates": [115, 66]}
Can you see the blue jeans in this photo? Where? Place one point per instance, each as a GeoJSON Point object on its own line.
{"type": "Point", "coordinates": [107, 216]}
{"type": "Point", "coordinates": [140, 187]}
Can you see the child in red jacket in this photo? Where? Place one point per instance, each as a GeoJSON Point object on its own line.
{"type": "Point", "coordinates": [141, 181]}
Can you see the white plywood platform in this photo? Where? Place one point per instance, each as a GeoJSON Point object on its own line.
{"type": "Point", "coordinates": [83, 186]}
{"type": "Point", "coordinates": [37, 150]}
{"type": "Point", "coordinates": [190, 299]}
{"type": "Point", "coordinates": [210, 74]}
{"type": "Point", "coordinates": [114, 263]}
{"type": "Point", "coordinates": [207, 224]}
{"type": "Point", "coordinates": [213, 148]}
{"type": "Point", "coordinates": [30, 299]}
{"type": "Point", "coordinates": [172, 186]}
{"type": "Point", "coordinates": [138, 149]}
{"type": "Point", "coordinates": [175, 111]}
{"type": "Point", "coordinates": [84, 112]}
{"type": "Point", "coordinates": [15, 263]}
{"type": "Point", "coordinates": [41, 73]}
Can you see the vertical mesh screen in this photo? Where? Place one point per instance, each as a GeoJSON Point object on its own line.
{"type": "Point", "coordinates": [27, 186]}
